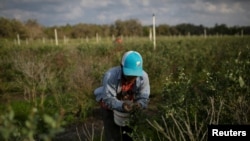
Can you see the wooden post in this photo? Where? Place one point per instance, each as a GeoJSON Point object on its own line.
{"type": "Point", "coordinates": [242, 33]}
{"type": "Point", "coordinates": [64, 39]}
{"type": "Point", "coordinates": [56, 39]}
{"type": "Point", "coordinates": [205, 33]}
{"type": "Point", "coordinates": [43, 40]}
{"type": "Point", "coordinates": [154, 38]}
{"type": "Point", "coordinates": [18, 40]}
{"type": "Point", "coordinates": [27, 41]}
{"type": "Point", "coordinates": [97, 38]}
{"type": "Point", "coordinates": [87, 39]}
{"type": "Point", "coordinates": [150, 34]}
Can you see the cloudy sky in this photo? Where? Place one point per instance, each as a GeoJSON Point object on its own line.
{"type": "Point", "coordinates": [172, 12]}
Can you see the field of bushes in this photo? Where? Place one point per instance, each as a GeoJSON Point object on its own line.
{"type": "Point", "coordinates": [195, 81]}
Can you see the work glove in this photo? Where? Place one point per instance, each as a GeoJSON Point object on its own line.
{"type": "Point", "coordinates": [127, 106]}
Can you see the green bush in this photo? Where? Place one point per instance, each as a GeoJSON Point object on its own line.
{"type": "Point", "coordinates": [194, 81]}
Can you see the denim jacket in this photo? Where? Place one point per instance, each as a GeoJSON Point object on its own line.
{"type": "Point", "coordinates": [111, 86]}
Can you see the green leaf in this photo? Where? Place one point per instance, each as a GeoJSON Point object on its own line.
{"type": "Point", "coordinates": [49, 120]}
{"type": "Point", "coordinates": [241, 81]}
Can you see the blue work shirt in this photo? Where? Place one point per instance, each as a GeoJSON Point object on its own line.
{"type": "Point", "coordinates": [111, 86]}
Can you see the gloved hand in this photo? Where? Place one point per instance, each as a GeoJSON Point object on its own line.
{"type": "Point", "coordinates": [127, 106]}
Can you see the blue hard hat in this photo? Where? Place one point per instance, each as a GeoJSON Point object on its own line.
{"type": "Point", "coordinates": [132, 64]}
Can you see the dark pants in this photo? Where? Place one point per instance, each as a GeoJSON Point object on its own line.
{"type": "Point", "coordinates": [112, 131]}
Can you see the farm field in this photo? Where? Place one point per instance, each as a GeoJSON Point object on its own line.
{"type": "Point", "coordinates": [47, 90]}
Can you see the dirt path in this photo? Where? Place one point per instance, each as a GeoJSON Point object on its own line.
{"type": "Point", "coordinates": [81, 131]}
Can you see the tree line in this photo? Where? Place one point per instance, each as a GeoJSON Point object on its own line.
{"type": "Point", "coordinates": [31, 29]}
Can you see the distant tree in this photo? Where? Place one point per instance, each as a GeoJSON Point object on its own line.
{"type": "Point", "coordinates": [173, 31]}
{"type": "Point", "coordinates": [185, 29]}
{"type": "Point", "coordinates": [220, 29]}
{"type": "Point", "coordinates": [65, 30]}
{"type": "Point", "coordinates": [49, 32]}
{"type": "Point", "coordinates": [105, 29]}
{"type": "Point", "coordinates": [19, 28]}
{"type": "Point", "coordinates": [130, 27]}
{"type": "Point", "coordinates": [163, 29]}
{"type": "Point", "coordinates": [146, 30]}
{"type": "Point", "coordinates": [134, 27]}
{"type": "Point", "coordinates": [11, 27]}
{"type": "Point", "coordinates": [80, 30]}
{"type": "Point", "coordinates": [120, 28]}
{"type": "Point", "coordinates": [245, 29]}
{"type": "Point", "coordinates": [5, 28]}
{"type": "Point", "coordinates": [34, 29]}
{"type": "Point", "coordinates": [112, 30]}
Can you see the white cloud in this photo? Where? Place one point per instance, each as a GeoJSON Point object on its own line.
{"type": "Point", "coordinates": [95, 4]}
{"type": "Point", "coordinates": [75, 12]}
{"type": "Point", "coordinates": [145, 3]}
{"type": "Point", "coordinates": [127, 3]}
{"type": "Point", "coordinates": [218, 8]}
{"type": "Point", "coordinates": [53, 12]}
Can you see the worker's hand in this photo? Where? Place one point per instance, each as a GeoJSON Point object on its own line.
{"type": "Point", "coordinates": [125, 97]}
{"type": "Point", "coordinates": [127, 106]}
{"type": "Point", "coordinates": [137, 106]}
